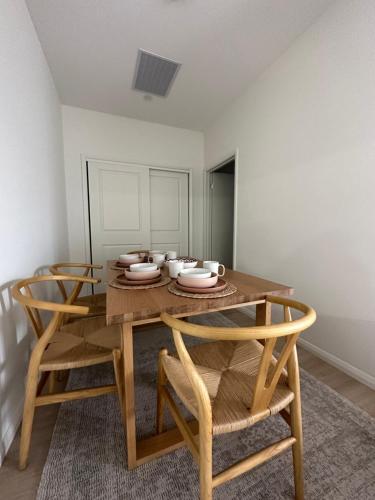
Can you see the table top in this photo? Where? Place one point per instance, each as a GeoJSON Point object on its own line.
{"type": "Point", "coordinates": [145, 305]}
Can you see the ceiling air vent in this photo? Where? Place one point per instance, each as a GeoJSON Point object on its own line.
{"type": "Point", "coordinates": [154, 74]}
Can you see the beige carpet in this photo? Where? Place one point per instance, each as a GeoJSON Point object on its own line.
{"type": "Point", "coordinates": [86, 459]}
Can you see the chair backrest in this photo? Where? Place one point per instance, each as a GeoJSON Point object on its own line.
{"type": "Point", "coordinates": [22, 292]}
{"type": "Point", "coordinates": [269, 370]}
{"type": "Point", "coordinates": [60, 269]}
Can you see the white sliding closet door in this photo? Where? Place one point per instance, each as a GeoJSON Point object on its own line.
{"type": "Point", "coordinates": [133, 207]}
{"type": "Point", "coordinates": [119, 204]}
{"type": "Point", "coordinates": [169, 204]}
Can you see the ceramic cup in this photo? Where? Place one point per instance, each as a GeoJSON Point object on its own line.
{"type": "Point", "coordinates": [175, 266]}
{"type": "Point", "coordinates": [213, 265]}
{"type": "Point", "coordinates": [158, 259]}
{"type": "Point", "coordinates": [171, 254]}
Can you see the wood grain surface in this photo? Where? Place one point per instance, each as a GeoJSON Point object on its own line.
{"type": "Point", "coordinates": [143, 305]}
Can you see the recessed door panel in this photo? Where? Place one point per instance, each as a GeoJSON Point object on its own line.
{"type": "Point", "coordinates": [169, 203]}
{"type": "Point", "coordinates": [119, 204]}
{"type": "Point", "coordinates": [120, 194]}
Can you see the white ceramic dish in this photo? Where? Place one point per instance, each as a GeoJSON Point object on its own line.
{"type": "Point", "coordinates": [189, 262]}
{"type": "Point", "coordinates": [128, 257]}
{"type": "Point", "coordinates": [190, 265]}
{"type": "Point", "coordinates": [140, 276]}
{"type": "Point", "coordinates": [143, 267]}
{"type": "Point", "coordinates": [193, 282]}
{"type": "Point", "coordinates": [196, 273]}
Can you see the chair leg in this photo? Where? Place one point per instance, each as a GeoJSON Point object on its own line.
{"type": "Point", "coordinates": [296, 427]}
{"type": "Point", "coordinates": [162, 379]}
{"type": "Point", "coordinates": [28, 416]}
{"type": "Point", "coordinates": [205, 462]}
{"type": "Point", "coordinates": [51, 382]}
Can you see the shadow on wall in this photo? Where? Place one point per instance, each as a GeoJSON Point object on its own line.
{"type": "Point", "coordinates": [15, 347]}
{"type": "Point", "coordinates": [16, 340]}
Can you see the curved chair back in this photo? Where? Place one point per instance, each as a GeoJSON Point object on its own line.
{"type": "Point", "coordinates": [269, 369]}
{"type": "Point", "coordinates": [60, 269]}
{"type": "Point", "coordinates": [23, 293]}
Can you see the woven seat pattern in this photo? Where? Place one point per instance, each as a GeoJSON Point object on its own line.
{"type": "Point", "coordinates": [229, 371]}
{"type": "Point", "coordinates": [81, 343]}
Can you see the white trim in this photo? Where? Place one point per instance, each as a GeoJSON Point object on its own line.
{"type": "Point", "coordinates": [342, 365]}
{"type": "Point", "coordinates": [88, 158]}
{"type": "Point", "coordinates": [10, 433]}
{"type": "Point", "coordinates": [206, 207]}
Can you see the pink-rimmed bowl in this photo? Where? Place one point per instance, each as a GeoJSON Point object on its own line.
{"type": "Point", "coordinates": [143, 267]}
{"type": "Point", "coordinates": [141, 275]}
{"type": "Point", "coordinates": [195, 282]}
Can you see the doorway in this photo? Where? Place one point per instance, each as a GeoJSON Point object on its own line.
{"type": "Point", "coordinates": [136, 206]}
{"type": "Point", "coordinates": [221, 213]}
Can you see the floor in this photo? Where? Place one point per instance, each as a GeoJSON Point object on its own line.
{"type": "Point", "coordinates": [17, 485]}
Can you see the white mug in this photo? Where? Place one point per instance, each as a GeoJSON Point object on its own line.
{"type": "Point", "coordinates": [157, 258]}
{"type": "Point", "coordinates": [213, 266]}
{"type": "Point", "coordinates": [175, 266]}
{"type": "Point", "coordinates": [171, 254]}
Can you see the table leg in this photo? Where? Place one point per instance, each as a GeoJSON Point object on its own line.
{"type": "Point", "coordinates": [263, 314]}
{"type": "Point", "coordinates": [129, 406]}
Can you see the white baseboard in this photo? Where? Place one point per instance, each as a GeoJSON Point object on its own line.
{"type": "Point", "coordinates": [342, 365]}
{"type": "Point", "coordinates": [9, 434]}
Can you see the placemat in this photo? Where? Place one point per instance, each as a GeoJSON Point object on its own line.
{"type": "Point", "coordinates": [228, 290]}
{"type": "Point", "coordinates": [164, 281]}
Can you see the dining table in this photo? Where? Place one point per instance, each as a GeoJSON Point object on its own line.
{"type": "Point", "coordinates": [132, 308]}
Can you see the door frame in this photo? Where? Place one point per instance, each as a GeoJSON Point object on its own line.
{"type": "Point", "coordinates": [85, 159]}
{"type": "Point", "coordinates": [207, 216]}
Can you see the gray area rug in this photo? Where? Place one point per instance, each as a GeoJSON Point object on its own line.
{"type": "Point", "coordinates": [86, 459]}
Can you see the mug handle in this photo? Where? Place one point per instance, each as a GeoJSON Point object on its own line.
{"type": "Point", "coordinates": [222, 274]}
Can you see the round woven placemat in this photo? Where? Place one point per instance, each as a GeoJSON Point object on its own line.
{"type": "Point", "coordinates": [228, 290]}
{"type": "Point", "coordinates": [164, 281]}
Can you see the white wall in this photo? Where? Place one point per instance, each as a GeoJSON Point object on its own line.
{"type": "Point", "coordinates": [89, 134]}
{"type": "Point", "coordinates": [32, 193]}
{"type": "Point", "coordinates": [306, 137]}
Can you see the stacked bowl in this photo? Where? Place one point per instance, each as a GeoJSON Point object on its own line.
{"type": "Point", "coordinates": [141, 273]}
{"type": "Point", "coordinates": [128, 259]}
{"type": "Point", "coordinates": [199, 280]}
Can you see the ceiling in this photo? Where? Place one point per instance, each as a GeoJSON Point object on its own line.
{"type": "Point", "coordinates": [91, 47]}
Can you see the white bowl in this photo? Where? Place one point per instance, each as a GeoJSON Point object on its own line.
{"type": "Point", "coordinates": [127, 257]}
{"type": "Point", "coordinates": [190, 265]}
{"type": "Point", "coordinates": [197, 283]}
{"type": "Point", "coordinates": [143, 267]}
{"type": "Point", "coordinates": [196, 273]}
{"type": "Point", "coordinates": [140, 276]}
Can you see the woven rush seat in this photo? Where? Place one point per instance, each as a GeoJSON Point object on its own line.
{"type": "Point", "coordinates": [229, 371]}
{"type": "Point", "coordinates": [81, 343]}
{"type": "Point", "coordinates": [96, 303]}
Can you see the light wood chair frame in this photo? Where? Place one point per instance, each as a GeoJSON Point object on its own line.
{"type": "Point", "coordinates": [269, 373]}
{"type": "Point", "coordinates": [36, 379]}
{"type": "Point", "coordinates": [58, 270]}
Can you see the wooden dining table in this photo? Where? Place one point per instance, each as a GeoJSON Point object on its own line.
{"type": "Point", "coordinates": [131, 308]}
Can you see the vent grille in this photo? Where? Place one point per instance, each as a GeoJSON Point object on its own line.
{"type": "Point", "coordinates": [154, 74]}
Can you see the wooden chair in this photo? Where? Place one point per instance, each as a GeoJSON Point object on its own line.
{"type": "Point", "coordinates": [62, 347]}
{"type": "Point", "coordinates": [233, 383]}
{"type": "Point", "coordinates": [95, 302]}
